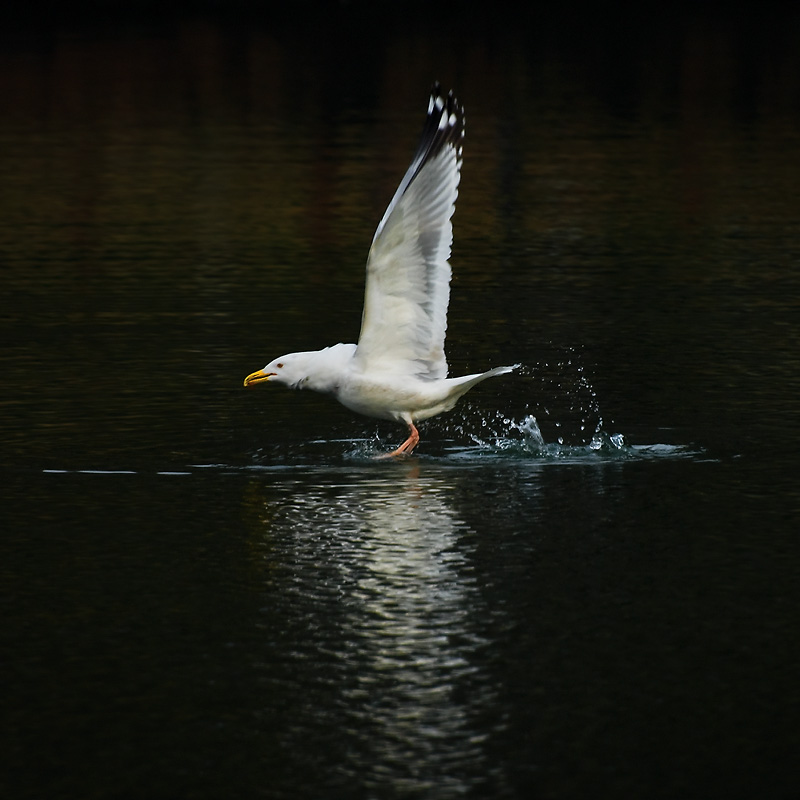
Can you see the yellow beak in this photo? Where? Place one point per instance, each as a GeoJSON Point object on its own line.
{"type": "Point", "coordinates": [259, 376]}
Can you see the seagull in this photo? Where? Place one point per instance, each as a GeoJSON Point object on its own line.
{"type": "Point", "coordinates": [398, 369]}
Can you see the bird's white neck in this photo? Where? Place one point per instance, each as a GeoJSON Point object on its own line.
{"type": "Point", "coordinates": [325, 368]}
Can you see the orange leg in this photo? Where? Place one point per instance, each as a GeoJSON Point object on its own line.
{"type": "Point", "coordinates": [407, 446]}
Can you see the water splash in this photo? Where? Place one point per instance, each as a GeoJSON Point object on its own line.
{"type": "Point", "coordinates": [524, 440]}
{"type": "Point", "coordinates": [495, 436]}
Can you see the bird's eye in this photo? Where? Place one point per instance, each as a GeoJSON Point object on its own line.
{"type": "Point", "coordinates": [279, 366]}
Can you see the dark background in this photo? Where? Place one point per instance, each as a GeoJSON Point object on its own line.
{"type": "Point", "coordinates": [209, 592]}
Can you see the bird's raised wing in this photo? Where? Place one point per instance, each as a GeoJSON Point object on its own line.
{"type": "Point", "coordinates": [408, 275]}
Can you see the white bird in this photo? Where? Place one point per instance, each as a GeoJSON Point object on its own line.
{"type": "Point", "coordinates": [398, 369]}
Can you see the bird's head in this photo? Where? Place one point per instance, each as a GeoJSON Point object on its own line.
{"type": "Point", "coordinates": [291, 370]}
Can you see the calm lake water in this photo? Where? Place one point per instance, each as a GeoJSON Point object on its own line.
{"type": "Point", "coordinates": [585, 581]}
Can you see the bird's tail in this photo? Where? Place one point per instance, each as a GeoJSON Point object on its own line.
{"type": "Point", "coordinates": [457, 387]}
{"type": "Point", "coordinates": [468, 381]}
{"type": "Point", "coordinates": [500, 371]}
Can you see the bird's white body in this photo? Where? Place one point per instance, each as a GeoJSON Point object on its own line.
{"type": "Point", "coordinates": [380, 394]}
{"type": "Point", "coordinates": [398, 369]}
{"type": "Point", "coordinates": [406, 400]}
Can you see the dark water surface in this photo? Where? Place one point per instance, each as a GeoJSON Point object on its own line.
{"type": "Point", "coordinates": [586, 581]}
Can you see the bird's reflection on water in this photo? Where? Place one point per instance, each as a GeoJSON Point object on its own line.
{"type": "Point", "coordinates": [377, 569]}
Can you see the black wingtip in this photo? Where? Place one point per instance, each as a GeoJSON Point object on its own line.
{"type": "Point", "coordinates": [444, 128]}
{"type": "Point", "coordinates": [444, 124]}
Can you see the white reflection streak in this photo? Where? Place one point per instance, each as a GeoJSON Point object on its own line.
{"type": "Point", "coordinates": [410, 623]}
{"type": "Point", "coordinates": [377, 612]}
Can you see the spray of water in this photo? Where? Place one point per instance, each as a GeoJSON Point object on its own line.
{"type": "Point", "coordinates": [556, 413]}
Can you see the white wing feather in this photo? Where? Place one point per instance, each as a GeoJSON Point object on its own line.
{"type": "Point", "coordinates": [408, 275]}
